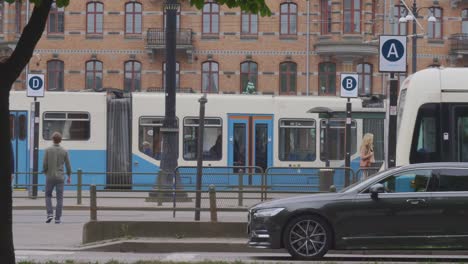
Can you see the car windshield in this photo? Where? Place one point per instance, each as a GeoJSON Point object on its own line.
{"type": "Point", "coordinates": [364, 182]}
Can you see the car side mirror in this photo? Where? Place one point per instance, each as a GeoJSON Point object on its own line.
{"type": "Point", "coordinates": [375, 190]}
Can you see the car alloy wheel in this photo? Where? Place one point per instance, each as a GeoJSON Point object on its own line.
{"type": "Point", "coordinates": [307, 237]}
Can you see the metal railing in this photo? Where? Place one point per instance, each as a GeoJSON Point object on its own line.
{"type": "Point", "coordinates": [223, 188]}
{"type": "Point", "coordinates": [156, 37]}
{"type": "Point", "coordinates": [458, 42]}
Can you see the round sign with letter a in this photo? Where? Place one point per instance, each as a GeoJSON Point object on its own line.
{"type": "Point", "coordinates": [349, 85]}
{"type": "Point", "coordinates": [392, 54]}
{"type": "Point", "coordinates": [35, 85]}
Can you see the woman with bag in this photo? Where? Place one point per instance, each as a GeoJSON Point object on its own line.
{"type": "Point", "coordinates": [366, 153]}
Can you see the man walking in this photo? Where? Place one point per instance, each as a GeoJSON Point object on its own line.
{"type": "Point", "coordinates": [54, 158]}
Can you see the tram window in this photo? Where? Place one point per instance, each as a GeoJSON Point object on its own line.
{"type": "Point", "coordinates": [72, 125]}
{"type": "Point", "coordinates": [12, 127]}
{"type": "Point", "coordinates": [336, 137]}
{"type": "Point", "coordinates": [150, 137]}
{"type": "Point", "coordinates": [461, 117]}
{"type": "Point", "coordinates": [297, 140]}
{"type": "Point", "coordinates": [425, 147]}
{"type": "Point", "coordinates": [23, 127]}
{"type": "Point", "coordinates": [212, 139]}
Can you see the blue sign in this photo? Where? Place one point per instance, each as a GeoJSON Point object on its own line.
{"type": "Point", "coordinates": [392, 57]}
{"type": "Point", "coordinates": [36, 83]}
{"type": "Point", "coordinates": [349, 85]}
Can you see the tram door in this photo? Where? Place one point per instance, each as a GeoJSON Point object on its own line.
{"type": "Point", "coordinates": [19, 141]}
{"type": "Point", "coordinates": [250, 142]}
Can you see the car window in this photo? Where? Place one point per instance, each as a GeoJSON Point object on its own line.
{"type": "Point", "coordinates": [452, 180]}
{"type": "Point", "coordinates": [409, 181]}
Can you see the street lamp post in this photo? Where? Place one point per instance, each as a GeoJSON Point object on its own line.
{"type": "Point", "coordinates": [413, 17]}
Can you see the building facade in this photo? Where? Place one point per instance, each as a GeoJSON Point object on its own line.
{"type": "Point", "coordinates": [301, 49]}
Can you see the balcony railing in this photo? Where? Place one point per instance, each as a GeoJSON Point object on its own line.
{"type": "Point", "coordinates": [156, 38]}
{"type": "Point", "coordinates": [162, 90]}
{"type": "Point", "coordinates": [458, 42]}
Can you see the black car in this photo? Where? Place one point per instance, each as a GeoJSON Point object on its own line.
{"type": "Point", "coordinates": [418, 206]}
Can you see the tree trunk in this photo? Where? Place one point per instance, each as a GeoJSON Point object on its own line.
{"type": "Point", "coordinates": [10, 70]}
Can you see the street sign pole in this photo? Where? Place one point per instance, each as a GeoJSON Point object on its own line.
{"type": "Point", "coordinates": [392, 59]}
{"type": "Point", "coordinates": [349, 89]}
{"type": "Point", "coordinates": [35, 89]}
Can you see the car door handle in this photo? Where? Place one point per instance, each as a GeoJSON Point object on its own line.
{"type": "Point", "coordinates": [415, 201]}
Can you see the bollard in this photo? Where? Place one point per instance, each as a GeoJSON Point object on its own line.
{"type": "Point", "coordinates": [93, 203]}
{"type": "Point", "coordinates": [79, 182]}
{"type": "Point", "coordinates": [240, 201]}
{"type": "Point", "coordinates": [213, 210]}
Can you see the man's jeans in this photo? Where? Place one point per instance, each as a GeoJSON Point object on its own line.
{"type": "Point", "coordinates": [58, 184]}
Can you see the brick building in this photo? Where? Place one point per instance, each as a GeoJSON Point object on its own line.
{"type": "Point", "coordinates": [300, 50]}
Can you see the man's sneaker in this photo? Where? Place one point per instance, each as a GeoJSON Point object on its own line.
{"type": "Point", "coordinates": [49, 218]}
{"type": "Point", "coordinates": [57, 221]}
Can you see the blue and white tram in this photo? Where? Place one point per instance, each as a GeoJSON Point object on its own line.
{"type": "Point", "coordinates": [433, 117]}
{"type": "Point", "coordinates": [108, 134]}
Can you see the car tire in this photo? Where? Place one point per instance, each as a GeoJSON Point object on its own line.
{"type": "Point", "coordinates": [307, 237]}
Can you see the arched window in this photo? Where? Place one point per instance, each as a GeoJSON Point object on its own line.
{"type": "Point", "coordinates": [210, 18]}
{"type": "Point", "coordinates": [2, 10]}
{"type": "Point", "coordinates": [132, 78]}
{"type": "Point", "coordinates": [352, 16]}
{"type": "Point", "coordinates": [210, 77]}
{"type": "Point", "coordinates": [55, 75]}
{"type": "Point", "coordinates": [249, 23]}
{"type": "Point", "coordinates": [18, 17]}
{"type": "Point", "coordinates": [325, 6]}
{"type": "Point", "coordinates": [401, 29]}
{"type": "Point", "coordinates": [364, 71]}
{"type": "Point", "coordinates": [465, 21]}
{"type": "Point", "coordinates": [288, 77]}
{"type": "Point", "coordinates": [248, 77]}
{"type": "Point", "coordinates": [133, 18]}
{"type": "Point", "coordinates": [94, 18]}
{"type": "Point", "coordinates": [434, 30]}
{"type": "Point", "coordinates": [177, 76]}
{"type": "Point", "coordinates": [288, 19]}
{"type": "Point", "coordinates": [327, 78]}
{"type": "Point", "coordinates": [94, 75]}
{"type": "Point", "coordinates": [56, 23]}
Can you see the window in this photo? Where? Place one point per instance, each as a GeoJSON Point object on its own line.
{"type": "Point", "coordinates": [210, 18]}
{"type": "Point", "coordinates": [434, 30]}
{"type": "Point", "coordinates": [132, 79]}
{"type": "Point", "coordinates": [326, 17]}
{"type": "Point", "coordinates": [352, 16]}
{"type": "Point", "coordinates": [327, 78]}
{"type": "Point", "coordinates": [400, 28]}
{"type": "Point", "coordinates": [465, 21]}
{"type": "Point", "coordinates": [288, 77]}
{"type": "Point", "coordinates": [18, 24]}
{"type": "Point", "coordinates": [248, 75]}
{"type": "Point", "coordinates": [150, 136]}
{"type": "Point", "coordinates": [452, 180]}
{"type": "Point", "coordinates": [425, 144]}
{"type": "Point", "coordinates": [335, 139]}
{"type": "Point", "coordinates": [177, 76]}
{"type": "Point", "coordinates": [56, 23]}
{"type": "Point", "coordinates": [249, 23]}
{"type": "Point", "coordinates": [409, 181]}
{"type": "Point", "coordinates": [210, 77]}
{"type": "Point", "coordinates": [22, 127]}
{"type": "Point", "coordinates": [72, 125]}
{"type": "Point", "coordinates": [364, 71]}
{"type": "Point", "coordinates": [12, 127]}
{"type": "Point", "coordinates": [212, 138]}
{"type": "Point", "coordinates": [288, 19]}
{"type": "Point", "coordinates": [177, 18]}
{"type": "Point", "coordinates": [2, 11]}
{"type": "Point", "coordinates": [94, 18]}
{"type": "Point", "coordinates": [297, 140]}
{"type": "Point", "coordinates": [94, 75]}
{"type": "Point", "coordinates": [461, 132]}
{"type": "Point", "coordinates": [55, 75]}
{"type": "Point", "coordinates": [133, 18]}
